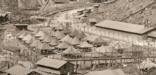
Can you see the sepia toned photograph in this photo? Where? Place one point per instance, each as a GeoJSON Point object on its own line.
{"type": "Point", "coordinates": [77, 37]}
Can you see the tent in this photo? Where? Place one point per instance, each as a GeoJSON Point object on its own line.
{"type": "Point", "coordinates": [74, 33]}
{"type": "Point", "coordinates": [81, 35]}
{"type": "Point", "coordinates": [35, 30]}
{"type": "Point", "coordinates": [67, 39]}
{"type": "Point", "coordinates": [28, 38]}
{"type": "Point", "coordinates": [66, 30]}
{"type": "Point", "coordinates": [75, 41]}
{"type": "Point", "coordinates": [23, 32]}
{"type": "Point", "coordinates": [21, 35]}
{"type": "Point", "coordinates": [11, 45]}
{"type": "Point", "coordinates": [85, 45]}
{"type": "Point", "coordinates": [53, 42]}
{"type": "Point", "coordinates": [71, 50]}
{"type": "Point", "coordinates": [40, 33]}
{"type": "Point", "coordinates": [59, 34]}
{"type": "Point", "coordinates": [63, 45]}
{"type": "Point", "coordinates": [17, 70]}
{"type": "Point", "coordinates": [47, 30]}
{"type": "Point", "coordinates": [26, 64]}
{"type": "Point", "coordinates": [43, 37]}
{"type": "Point", "coordinates": [35, 43]}
{"type": "Point", "coordinates": [44, 46]}
{"type": "Point", "coordinates": [47, 39]}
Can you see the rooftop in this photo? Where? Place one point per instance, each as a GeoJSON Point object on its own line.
{"type": "Point", "coordinates": [53, 63]}
{"type": "Point", "coordinates": [21, 24]}
{"type": "Point", "coordinates": [18, 70]}
{"type": "Point", "coordinates": [152, 34]}
{"type": "Point", "coordinates": [125, 27]}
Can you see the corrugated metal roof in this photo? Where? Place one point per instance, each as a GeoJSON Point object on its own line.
{"type": "Point", "coordinates": [126, 27]}
{"type": "Point", "coordinates": [53, 63]}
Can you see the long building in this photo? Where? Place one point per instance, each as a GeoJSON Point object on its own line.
{"type": "Point", "coordinates": [125, 31]}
